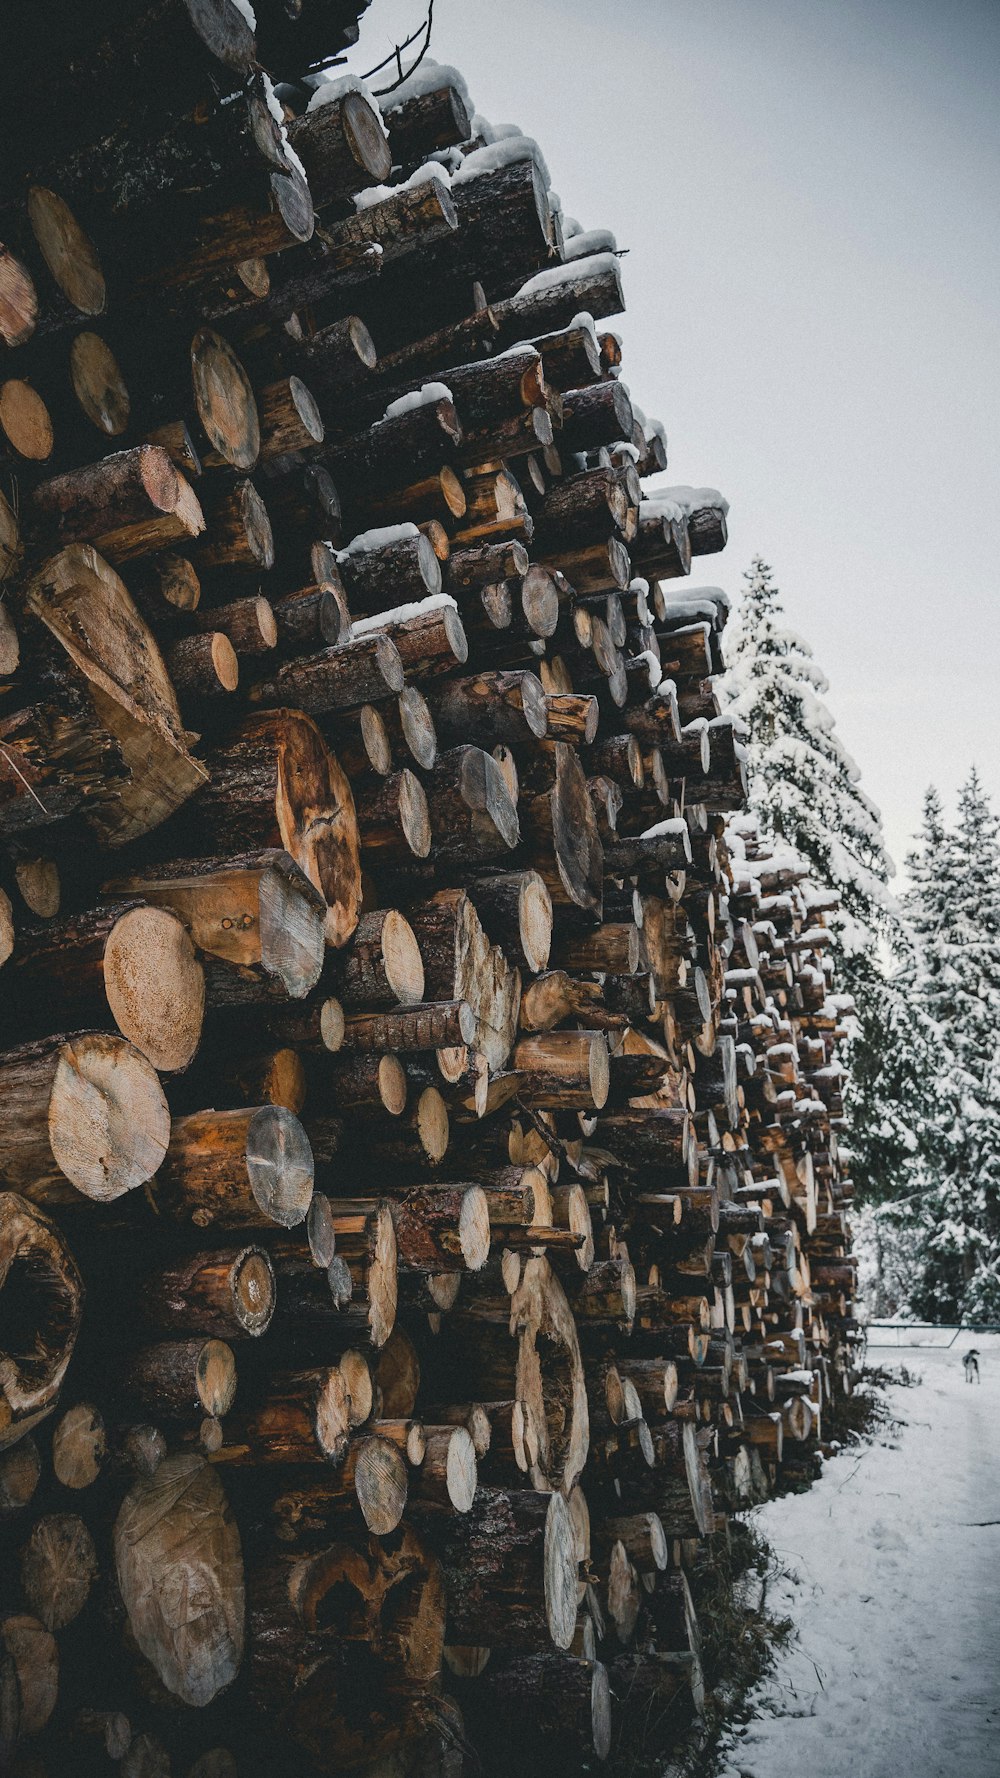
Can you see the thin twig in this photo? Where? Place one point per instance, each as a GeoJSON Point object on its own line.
{"type": "Point", "coordinates": [16, 768]}
{"type": "Point", "coordinates": [396, 55]}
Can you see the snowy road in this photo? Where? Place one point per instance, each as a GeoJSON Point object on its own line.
{"type": "Point", "coordinates": [897, 1551]}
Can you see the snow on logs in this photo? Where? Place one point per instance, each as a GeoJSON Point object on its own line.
{"type": "Point", "coordinates": [421, 1214]}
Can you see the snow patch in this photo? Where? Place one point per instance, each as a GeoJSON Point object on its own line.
{"type": "Point", "coordinates": [595, 240]}
{"type": "Point", "coordinates": [378, 538]}
{"type": "Point", "coordinates": [597, 266]}
{"type": "Point", "coordinates": [364, 626]}
{"type": "Point", "coordinates": [429, 77]}
{"type": "Point", "coordinates": [274, 107]}
{"type": "Point", "coordinates": [377, 194]}
{"type": "Point", "coordinates": [414, 398]}
{"type": "Point", "coordinates": [502, 152]}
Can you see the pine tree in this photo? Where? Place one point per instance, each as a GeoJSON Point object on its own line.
{"type": "Point", "coordinates": [803, 782]}
{"type": "Point", "coordinates": [805, 787]}
{"type": "Point", "coordinates": [954, 907]}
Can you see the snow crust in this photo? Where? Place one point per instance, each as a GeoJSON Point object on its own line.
{"type": "Point", "coordinates": [691, 499]}
{"type": "Point", "coordinates": [364, 626]}
{"type": "Point", "coordinates": [429, 77]}
{"type": "Point", "coordinates": [709, 602]}
{"type": "Point", "coordinates": [674, 825]}
{"type": "Point", "coordinates": [414, 398]}
{"type": "Point", "coordinates": [377, 194]}
{"type": "Point", "coordinates": [553, 275]}
{"type": "Point", "coordinates": [274, 107]}
{"type": "Point", "coordinates": [378, 538]}
{"type": "Point", "coordinates": [591, 241]}
{"type": "Point", "coordinates": [502, 152]}
{"type": "Point", "coordinates": [653, 667]}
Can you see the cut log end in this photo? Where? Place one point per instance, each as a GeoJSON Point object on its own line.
{"type": "Point", "coordinates": [79, 1445]}
{"type": "Point", "coordinates": [155, 986]}
{"type": "Point", "coordinates": [253, 1290]}
{"type": "Point", "coordinates": [109, 1125]}
{"type": "Point", "coordinates": [279, 1165]}
{"type": "Point", "coordinates": [225, 400]}
{"type": "Point", "coordinates": [433, 1125]}
{"type": "Point", "coordinates": [474, 1228]}
{"type": "Point", "coordinates": [560, 1569]}
{"type": "Point", "coordinates": [26, 421]}
{"type": "Point", "coordinates": [380, 1485]}
{"type": "Point", "coordinates": [98, 384]}
{"type": "Point", "coordinates": [68, 252]}
{"type": "Point", "coordinates": [392, 1085]}
{"type": "Point", "coordinates": [382, 1280]}
{"type": "Point", "coordinates": [18, 300]}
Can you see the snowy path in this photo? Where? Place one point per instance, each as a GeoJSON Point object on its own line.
{"type": "Point", "coordinates": [896, 1673]}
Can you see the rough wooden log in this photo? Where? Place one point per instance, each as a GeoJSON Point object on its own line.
{"type": "Point", "coordinates": [274, 782]}
{"type": "Point", "coordinates": [132, 967]}
{"type": "Point", "coordinates": [258, 914]}
{"type": "Point", "coordinates": [80, 1117]}
{"type": "Point", "coordinates": [173, 1523]}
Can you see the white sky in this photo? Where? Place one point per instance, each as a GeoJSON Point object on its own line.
{"type": "Point", "coordinates": [809, 194]}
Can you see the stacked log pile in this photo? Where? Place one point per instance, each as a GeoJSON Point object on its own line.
{"type": "Point", "coordinates": [421, 1217]}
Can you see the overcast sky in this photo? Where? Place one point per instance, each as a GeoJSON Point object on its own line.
{"type": "Point", "coordinates": [809, 195]}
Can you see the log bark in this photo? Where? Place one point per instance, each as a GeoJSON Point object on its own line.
{"type": "Point", "coordinates": [275, 783]}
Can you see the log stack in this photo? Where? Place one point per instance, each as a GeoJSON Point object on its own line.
{"type": "Point", "coordinates": [421, 1216]}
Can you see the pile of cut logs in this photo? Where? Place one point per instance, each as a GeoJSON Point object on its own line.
{"type": "Point", "coordinates": [421, 1219]}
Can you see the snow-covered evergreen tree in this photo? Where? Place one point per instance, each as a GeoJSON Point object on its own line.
{"type": "Point", "coordinates": [923, 1097]}
{"type": "Point", "coordinates": [803, 782]}
{"type": "Point", "coordinates": [805, 787]}
{"type": "Point", "coordinates": [954, 909]}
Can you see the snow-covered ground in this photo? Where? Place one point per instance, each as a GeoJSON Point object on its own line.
{"type": "Point", "coordinates": [896, 1670]}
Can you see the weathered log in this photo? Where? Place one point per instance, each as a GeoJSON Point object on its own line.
{"type": "Point", "coordinates": [561, 837]}
{"type": "Point", "coordinates": [382, 967]}
{"type": "Point", "coordinates": [80, 1117]}
{"type": "Point", "coordinates": [365, 669]}
{"type": "Point", "coordinates": [229, 1293]}
{"type": "Point", "coordinates": [274, 782]}
{"type": "Point", "coordinates": [42, 1295]}
{"type": "Point", "coordinates": [258, 914]}
{"type": "Point", "coordinates": [512, 1561]}
{"type": "Point", "coordinates": [237, 1169]}
{"type": "Point", "coordinates": [516, 912]}
{"type": "Point", "coordinates": [178, 1523]}
{"type": "Point", "coordinates": [129, 966]}
{"type": "Point", "coordinates": [342, 146]}
{"type": "Point", "coordinates": [118, 695]}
